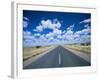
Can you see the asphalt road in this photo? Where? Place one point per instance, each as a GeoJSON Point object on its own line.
{"type": "Point", "coordinates": [58, 57]}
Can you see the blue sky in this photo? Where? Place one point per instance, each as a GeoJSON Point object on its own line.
{"type": "Point", "coordinates": [51, 28]}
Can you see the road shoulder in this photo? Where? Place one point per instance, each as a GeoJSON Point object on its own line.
{"type": "Point", "coordinates": [85, 56]}
{"type": "Point", "coordinates": [29, 61]}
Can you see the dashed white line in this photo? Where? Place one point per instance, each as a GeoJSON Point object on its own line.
{"type": "Point", "coordinates": [59, 58]}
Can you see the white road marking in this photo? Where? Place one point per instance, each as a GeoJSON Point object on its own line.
{"type": "Point", "coordinates": [59, 58]}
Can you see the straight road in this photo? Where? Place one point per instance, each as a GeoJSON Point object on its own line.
{"type": "Point", "coordinates": [58, 57]}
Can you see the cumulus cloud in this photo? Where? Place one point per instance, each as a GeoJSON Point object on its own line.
{"type": "Point", "coordinates": [39, 28]}
{"type": "Point", "coordinates": [68, 35]}
{"type": "Point", "coordinates": [50, 34]}
{"type": "Point", "coordinates": [86, 21]}
{"type": "Point", "coordinates": [48, 24]}
{"type": "Point", "coordinates": [82, 36]}
{"type": "Point", "coordinates": [57, 31]}
{"type": "Point", "coordinates": [56, 36]}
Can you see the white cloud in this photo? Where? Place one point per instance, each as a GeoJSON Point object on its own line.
{"type": "Point", "coordinates": [29, 39]}
{"type": "Point", "coordinates": [51, 38]}
{"type": "Point", "coordinates": [39, 28]}
{"type": "Point", "coordinates": [84, 31]}
{"type": "Point", "coordinates": [68, 35]}
{"type": "Point", "coordinates": [70, 32]}
{"type": "Point", "coordinates": [87, 25]}
{"type": "Point", "coordinates": [28, 43]}
{"type": "Point", "coordinates": [25, 22]}
{"type": "Point", "coordinates": [57, 32]}
{"type": "Point", "coordinates": [57, 36]}
{"type": "Point", "coordinates": [86, 21]}
{"type": "Point", "coordinates": [25, 18]}
{"type": "Point", "coordinates": [56, 25]}
{"type": "Point", "coordinates": [82, 36]}
{"type": "Point", "coordinates": [44, 39]}
{"type": "Point", "coordinates": [37, 34]}
{"type": "Point", "coordinates": [48, 24]}
{"type": "Point", "coordinates": [25, 33]}
{"type": "Point", "coordinates": [50, 34]}
{"type": "Point", "coordinates": [70, 27]}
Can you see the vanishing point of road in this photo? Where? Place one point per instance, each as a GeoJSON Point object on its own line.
{"type": "Point", "coordinates": [58, 57]}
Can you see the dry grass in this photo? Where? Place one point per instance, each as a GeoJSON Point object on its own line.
{"type": "Point", "coordinates": [33, 51]}
{"type": "Point", "coordinates": [81, 48]}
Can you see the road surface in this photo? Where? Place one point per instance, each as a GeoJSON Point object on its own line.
{"type": "Point", "coordinates": [58, 57]}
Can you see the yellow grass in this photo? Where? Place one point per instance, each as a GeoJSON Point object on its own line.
{"type": "Point", "coordinates": [81, 48]}
{"type": "Point", "coordinates": [33, 51]}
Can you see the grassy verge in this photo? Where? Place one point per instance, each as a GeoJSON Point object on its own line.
{"type": "Point", "coordinates": [33, 51]}
{"type": "Point", "coordinates": [81, 48]}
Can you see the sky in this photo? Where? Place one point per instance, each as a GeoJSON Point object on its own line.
{"type": "Point", "coordinates": [41, 28]}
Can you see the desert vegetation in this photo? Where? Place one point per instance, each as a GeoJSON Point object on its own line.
{"type": "Point", "coordinates": [33, 51]}
{"type": "Point", "coordinates": [80, 47]}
